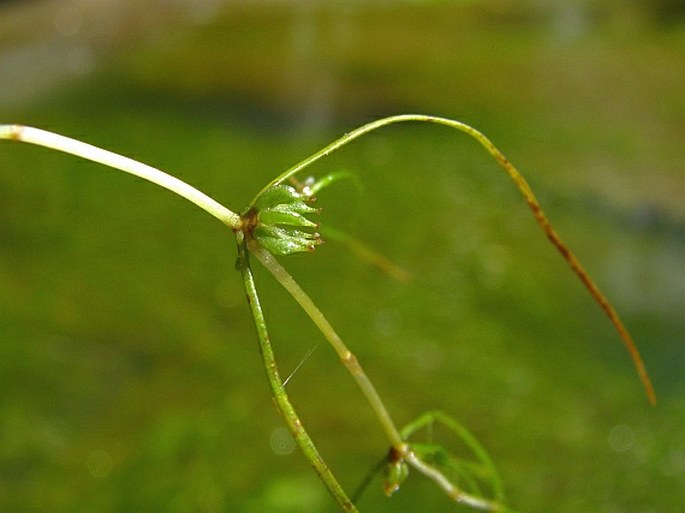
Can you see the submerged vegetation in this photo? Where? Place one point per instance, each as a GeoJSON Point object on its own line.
{"type": "Point", "coordinates": [277, 223]}
{"type": "Point", "coordinates": [129, 375]}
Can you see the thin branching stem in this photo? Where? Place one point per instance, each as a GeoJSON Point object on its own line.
{"type": "Point", "coordinates": [352, 364]}
{"type": "Point", "coordinates": [530, 198]}
{"type": "Point", "coordinates": [247, 245]}
{"type": "Point", "coordinates": [89, 152]}
{"type": "Point", "coordinates": [346, 356]}
{"type": "Point", "coordinates": [280, 395]}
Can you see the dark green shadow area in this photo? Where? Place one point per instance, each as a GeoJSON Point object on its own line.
{"type": "Point", "coordinates": [129, 373]}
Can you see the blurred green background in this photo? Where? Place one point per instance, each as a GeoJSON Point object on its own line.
{"type": "Point", "coordinates": [130, 379]}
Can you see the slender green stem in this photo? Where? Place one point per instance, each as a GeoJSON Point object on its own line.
{"type": "Point", "coordinates": [280, 396]}
{"type": "Point", "coordinates": [346, 356]}
{"type": "Point", "coordinates": [80, 149]}
{"type": "Point", "coordinates": [530, 198]}
{"type": "Point", "coordinates": [352, 364]}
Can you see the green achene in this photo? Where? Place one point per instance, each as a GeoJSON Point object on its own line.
{"type": "Point", "coordinates": [278, 221]}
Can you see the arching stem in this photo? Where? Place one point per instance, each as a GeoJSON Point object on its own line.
{"type": "Point", "coordinates": [451, 490]}
{"type": "Point", "coordinates": [427, 420]}
{"type": "Point", "coordinates": [530, 198]}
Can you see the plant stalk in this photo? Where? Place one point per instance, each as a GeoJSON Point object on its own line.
{"type": "Point", "coordinates": [71, 146]}
{"type": "Point", "coordinates": [530, 198]}
{"type": "Point", "coordinates": [348, 358]}
{"type": "Point", "coordinates": [280, 396]}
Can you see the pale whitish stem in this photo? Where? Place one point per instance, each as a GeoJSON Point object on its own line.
{"type": "Point", "coordinates": [87, 151]}
{"type": "Point", "coordinates": [454, 492]}
{"type": "Point", "coordinates": [346, 356]}
{"type": "Point", "coordinates": [426, 421]}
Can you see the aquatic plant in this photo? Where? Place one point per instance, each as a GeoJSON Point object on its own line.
{"type": "Point", "coordinates": [280, 221]}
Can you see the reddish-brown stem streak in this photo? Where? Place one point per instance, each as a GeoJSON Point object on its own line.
{"type": "Point", "coordinates": [582, 274]}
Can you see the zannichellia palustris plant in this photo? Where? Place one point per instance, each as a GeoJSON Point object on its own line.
{"type": "Point", "coordinates": [280, 221]}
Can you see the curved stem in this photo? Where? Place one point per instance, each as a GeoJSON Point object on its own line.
{"type": "Point", "coordinates": [280, 396]}
{"type": "Point", "coordinates": [346, 356]}
{"type": "Point", "coordinates": [429, 418]}
{"type": "Point", "coordinates": [452, 490]}
{"type": "Point", "coordinates": [533, 203]}
{"type": "Point", "coordinates": [87, 151]}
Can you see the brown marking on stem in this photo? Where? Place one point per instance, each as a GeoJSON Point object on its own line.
{"type": "Point", "coordinates": [15, 133]}
{"type": "Point", "coordinates": [350, 361]}
{"type": "Point", "coordinates": [395, 455]}
{"type": "Point", "coordinates": [248, 222]}
{"type": "Point", "coordinates": [581, 273]}
{"type": "Point", "coordinates": [544, 223]}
